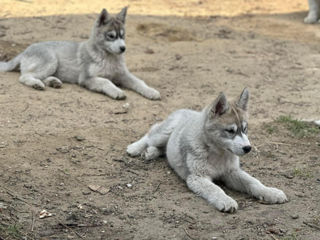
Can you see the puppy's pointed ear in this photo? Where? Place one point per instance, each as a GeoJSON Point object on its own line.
{"type": "Point", "coordinates": [220, 105]}
{"type": "Point", "coordinates": [243, 100]}
{"type": "Point", "coordinates": [103, 17]}
{"type": "Point", "coordinates": [122, 15]}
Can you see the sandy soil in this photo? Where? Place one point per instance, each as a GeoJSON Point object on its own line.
{"type": "Point", "coordinates": [56, 143]}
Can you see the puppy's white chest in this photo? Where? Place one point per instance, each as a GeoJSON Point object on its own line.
{"type": "Point", "coordinates": [217, 166]}
{"type": "Point", "coordinates": [106, 69]}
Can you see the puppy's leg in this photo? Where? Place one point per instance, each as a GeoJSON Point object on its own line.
{"type": "Point", "coordinates": [241, 181]}
{"type": "Point", "coordinates": [135, 149]}
{"type": "Point", "coordinates": [31, 81]}
{"type": "Point", "coordinates": [128, 80]}
{"type": "Point", "coordinates": [205, 188]}
{"type": "Point", "coordinates": [158, 137]}
{"type": "Point", "coordinates": [313, 14]}
{"type": "Point", "coordinates": [37, 66]}
{"type": "Point", "coordinates": [53, 82]}
{"type": "Point", "coordinates": [102, 85]}
{"type": "Point", "coordinates": [152, 144]}
{"type": "Point", "coordinates": [153, 152]}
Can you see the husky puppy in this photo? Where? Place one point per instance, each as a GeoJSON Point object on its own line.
{"type": "Point", "coordinates": [97, 64]}
{"type": "Point", "coordinates": [313, 15]}
{"type": "Point", "coordinates": [205, 146]}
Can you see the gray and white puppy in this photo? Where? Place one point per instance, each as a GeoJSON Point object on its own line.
{"type": "Point", "coordinates": [97, 64]}
{"type": "Point", "coordinates": [204, 146]}
{"type": "Point", "coordinates": [314, 11]}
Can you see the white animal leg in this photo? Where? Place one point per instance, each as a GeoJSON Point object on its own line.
{"type": "Point", "coordinates": [205, 188]}
{"type": "Point", "coordinates": [36, 67]}
{"type": "Point", "coordinates": [241, 181]}
{"type": "Point", "coordinates": [152, 152]}
{"type": "Point", "coordinates": [152, 143]}
{"type": "Point", "coordinates": [130, 81]}
{"type": "Point", "coordinates": [104, 86]}
{"type": "Point", "coordinates": [136, 149]}
{"type": "Point", "coordinates": [31, 81]}
{"type": "Point", "coordinates": [313, 14]}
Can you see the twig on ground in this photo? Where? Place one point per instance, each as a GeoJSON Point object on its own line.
{"type": "Point", "coordinates": [16, 196]}
{"type": "Point", "coordinates": [273, 237]}
{"type": "Point", "coordinates": [312, 225]}
{"type": "Point", "coordinates": [157, 188]}
{"type": "Point", "coordinates": [33, 221]}
{"type": "Point", "coordinates": [25, 109]}
{"type": "Point", "coordinates": [280, 143]}
{"type": "Point", "coordinates": [78, 234]}
{"type": "Point", "coordinates": [185, 230]}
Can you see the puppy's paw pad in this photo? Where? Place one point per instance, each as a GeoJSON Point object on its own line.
{"type": "Point", "coordinates": [38, 86]}
{"type": "Point", "coordinates": [55, 84]}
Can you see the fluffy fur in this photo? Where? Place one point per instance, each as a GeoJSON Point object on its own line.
{"type": "Point", "coordinates": [96, 64]}
{"type": "Point", "coordinates": [313, 15]}
{"type": "Point", "coordinates": [204, 146]}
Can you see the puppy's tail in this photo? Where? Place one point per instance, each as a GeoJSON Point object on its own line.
{"type": "Point", "coordinates": [12, 65]}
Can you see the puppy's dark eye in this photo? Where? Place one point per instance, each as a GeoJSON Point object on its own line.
{"type": "Point", "coordinates": [230, 131]}
{"type": "Point", "coordinates": [110, 36]}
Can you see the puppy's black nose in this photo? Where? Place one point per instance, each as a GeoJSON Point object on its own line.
{"type": "Point", "coordinates": [246, 149]}
{"type": "Point", "coordinates": [122, 48]}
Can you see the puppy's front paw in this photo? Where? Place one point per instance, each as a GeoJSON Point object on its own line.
{"type": "Point", "coordinates": [152, 94]}
{"type": "Point", "coordinates": [273, 195]}
{"type": "Point", "coordinates": [226, 204]}
{"type": "Point", "coordinates": [119, 95]}
{"type": "Point", "coordinates": [134, 150]}
{"type": "Point", "coordinates": [53, 82]}
{"type": "Point", "coordinates": [39, 85]}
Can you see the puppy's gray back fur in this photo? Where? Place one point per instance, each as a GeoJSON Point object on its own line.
{"type": "Point", "coordinates": [64, 53]}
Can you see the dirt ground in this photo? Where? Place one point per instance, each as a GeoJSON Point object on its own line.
{"type": "Point", "coordinates": [57, 144]}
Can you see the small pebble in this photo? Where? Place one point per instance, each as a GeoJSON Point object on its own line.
{"type": "Point", "coordinates": [295, 216]}
{"type": "Point", "coordinates": [299, 195]}
{"type": "Point", "coordinates": [149, 51]}
{"type": "Point", "coordinates": [178, 57]}
{"type": "Point", "coordinates": [79, 138]}
{"type": "Point", "coordinates": [126, 106]}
